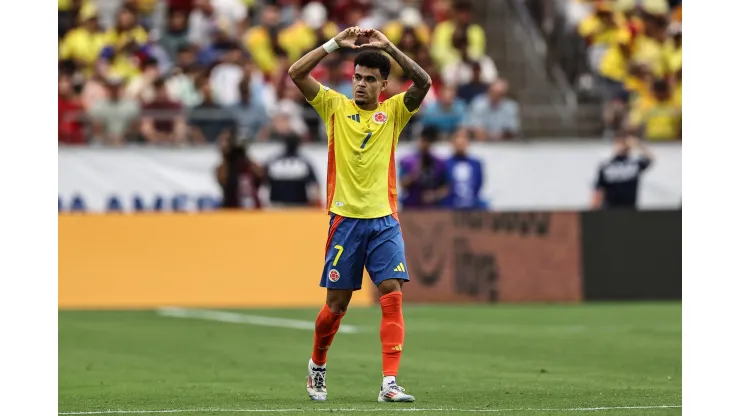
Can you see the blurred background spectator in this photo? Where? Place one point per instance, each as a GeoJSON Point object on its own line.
{"type": "Point", "coordinates": [206, 121]}
{"type": "Point", "coordinates": [494, 116]}
{"type": "Point", "coordinates": [475, 86]}
{"type": "Point", "coordinates": [249, 113]}
{"type": "Point", "coordinates": [447, 114]}
{"type": "Point", "coordinates": [291, 177]}
{"type": "Point", "coordinates": [458, 38]}
{"type": "Point", "coordinates": [424, 175]}
{"type": "Point", "coordinates": [336, 77]}
{"type": "Point", "coordinates": [70, 112]}
{"type": "Point", "coordinates": [163, 120]}
{"type": "Point", "coordinates": [115, 119]}
{"type": "Point", "coordinates": [657, 116]}
{"type": "Point", "coordinates": [618, 178]}
{"type": "Point", "coordinates": [239, 176]}
{"type": "Point", "coordinates": [465, 175]}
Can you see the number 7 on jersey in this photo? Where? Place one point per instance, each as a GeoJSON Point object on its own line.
{"type": "Point", "coordinates": [364, 142]}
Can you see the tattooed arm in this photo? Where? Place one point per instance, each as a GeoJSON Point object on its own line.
{"type": "Point", "coordinates": [422, 81]}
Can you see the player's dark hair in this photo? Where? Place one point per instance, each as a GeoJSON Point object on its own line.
{"type": "Point", "coordinates": [374, 59]}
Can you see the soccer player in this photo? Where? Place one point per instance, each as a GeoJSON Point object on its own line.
{"type": "Point", "coordinates": [361, 195]}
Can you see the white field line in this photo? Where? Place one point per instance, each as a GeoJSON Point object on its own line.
{"type": "Point", "coordinates": [385, 410]}
{"type": "Point", "coordinates": [239, 318]}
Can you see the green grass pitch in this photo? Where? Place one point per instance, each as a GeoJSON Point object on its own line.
{"type": "Point", "coordinates": [492, 359]}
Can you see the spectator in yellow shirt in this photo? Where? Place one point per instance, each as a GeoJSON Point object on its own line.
{"type": "Point", "coordinates": [657, 116]}
{"type": "Point", "coordinates": [602, 26]}
{"type": "Point", "coordinates": [600, 30]}
{"type": "Point", "coordinates": [408, 19]}
{"type": "Point", "coordinates": [82, 45]}
{"type": "Point", "coordinates": [126, 31]}
{"type": "Point", "coordinates": [308, 32]}
{"type": "Point", "coordinates": [638, 55]}
{"type": "Point", "coordinates": [262, 40]}
{"type": "Point", "coordinates": [67, 13]}
{"type": "Point", "coordinates": [443, 51]}
{"type": "Point", "coordinates": [649, 53]}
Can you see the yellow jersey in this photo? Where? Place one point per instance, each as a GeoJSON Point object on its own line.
{"type": "Point", "coordinates": [661, 120]}
{"type": "Point", "coordinates": [361, 177]}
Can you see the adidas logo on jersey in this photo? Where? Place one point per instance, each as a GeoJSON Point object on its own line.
{"type": "Point", "coordinates": [399, 268]}
{"type": "Point", "coordinates": [355, 117]}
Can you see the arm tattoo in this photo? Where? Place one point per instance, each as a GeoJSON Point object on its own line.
{"type": "Point", "coordinates": [422, 81]}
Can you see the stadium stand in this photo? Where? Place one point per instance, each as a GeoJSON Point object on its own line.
{"type": "Point", "coordinates": [224, 62]}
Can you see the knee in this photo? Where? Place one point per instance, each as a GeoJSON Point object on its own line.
{"type": "Point", "coordinates": [337, 306]}
{"type": "Point", "coordinates": [338, 301]}
{"type": "Point", "coordinates": [389, 286]}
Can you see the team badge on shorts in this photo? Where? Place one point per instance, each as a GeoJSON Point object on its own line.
{"type": "Point", "coordinates": [380, 117]}
{"type": "Point", "coordinates": [333, 275]}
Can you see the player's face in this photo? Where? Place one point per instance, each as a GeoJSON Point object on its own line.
{"type": "Point", "coordinates": [367, 84]}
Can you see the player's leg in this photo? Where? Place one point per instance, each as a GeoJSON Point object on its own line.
{"type": "Point", "coordinates": [327, 325]}
{"type": "Point", "coordinates": [342, 264]}
{"type": "Point", "coordinates": [386, 264]}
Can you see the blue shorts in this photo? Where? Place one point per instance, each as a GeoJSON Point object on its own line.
{"type": "Point", "coordinates": [375, 244]}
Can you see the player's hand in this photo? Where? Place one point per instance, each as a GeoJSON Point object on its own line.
{"type": "Point", "coordinates": [348, 37]}
{"type": "Point", "coordinates": [376, 39]}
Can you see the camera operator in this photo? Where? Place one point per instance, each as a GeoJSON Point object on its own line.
{"type": "Point", "coordinates": [238, 175]}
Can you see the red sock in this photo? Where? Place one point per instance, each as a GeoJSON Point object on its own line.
{"type": "Point", "coordinates": [327, 325]}
{"type": "Point", "coordinates": [391, 332]}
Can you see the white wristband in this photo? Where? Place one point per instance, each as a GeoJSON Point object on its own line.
{"type": "Point", "coordinates": [331, 45]}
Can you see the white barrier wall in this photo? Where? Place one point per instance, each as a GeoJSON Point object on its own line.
{"type": "Point", "coordinates": [518, 176]}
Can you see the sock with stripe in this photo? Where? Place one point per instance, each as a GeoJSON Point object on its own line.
{"type": "Point", "coordinates": [327, 325]}
{"type": "Point", "coordinates": [391, 332]}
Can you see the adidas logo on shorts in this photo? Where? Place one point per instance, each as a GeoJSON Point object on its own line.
{"type": "Point", "coordinates": [399, 268]}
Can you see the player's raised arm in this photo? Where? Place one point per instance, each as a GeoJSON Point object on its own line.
{"type": "Point", "coordinates": [300, 71]}
{"type": "Point", "coordinates": [422, 81]}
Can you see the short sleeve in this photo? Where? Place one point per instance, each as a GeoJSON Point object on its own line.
{"type": "Point", "coordinates": [401, 113]}
{"type": "Point", "coordinates": [326, 102]}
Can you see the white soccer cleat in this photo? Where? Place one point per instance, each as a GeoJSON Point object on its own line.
{"type": "Point", "coordinates": [316, 382]}
{"type": "Point", "coordinates": [392, 392]}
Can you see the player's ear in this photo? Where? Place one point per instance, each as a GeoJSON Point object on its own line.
{"type": "Point", "coordinates": [384, 85]}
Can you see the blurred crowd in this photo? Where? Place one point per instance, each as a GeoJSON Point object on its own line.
{"type": "Point", "coordinates": [635, 48]}
{"type": "Point", "coordinates": [177, 72]}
